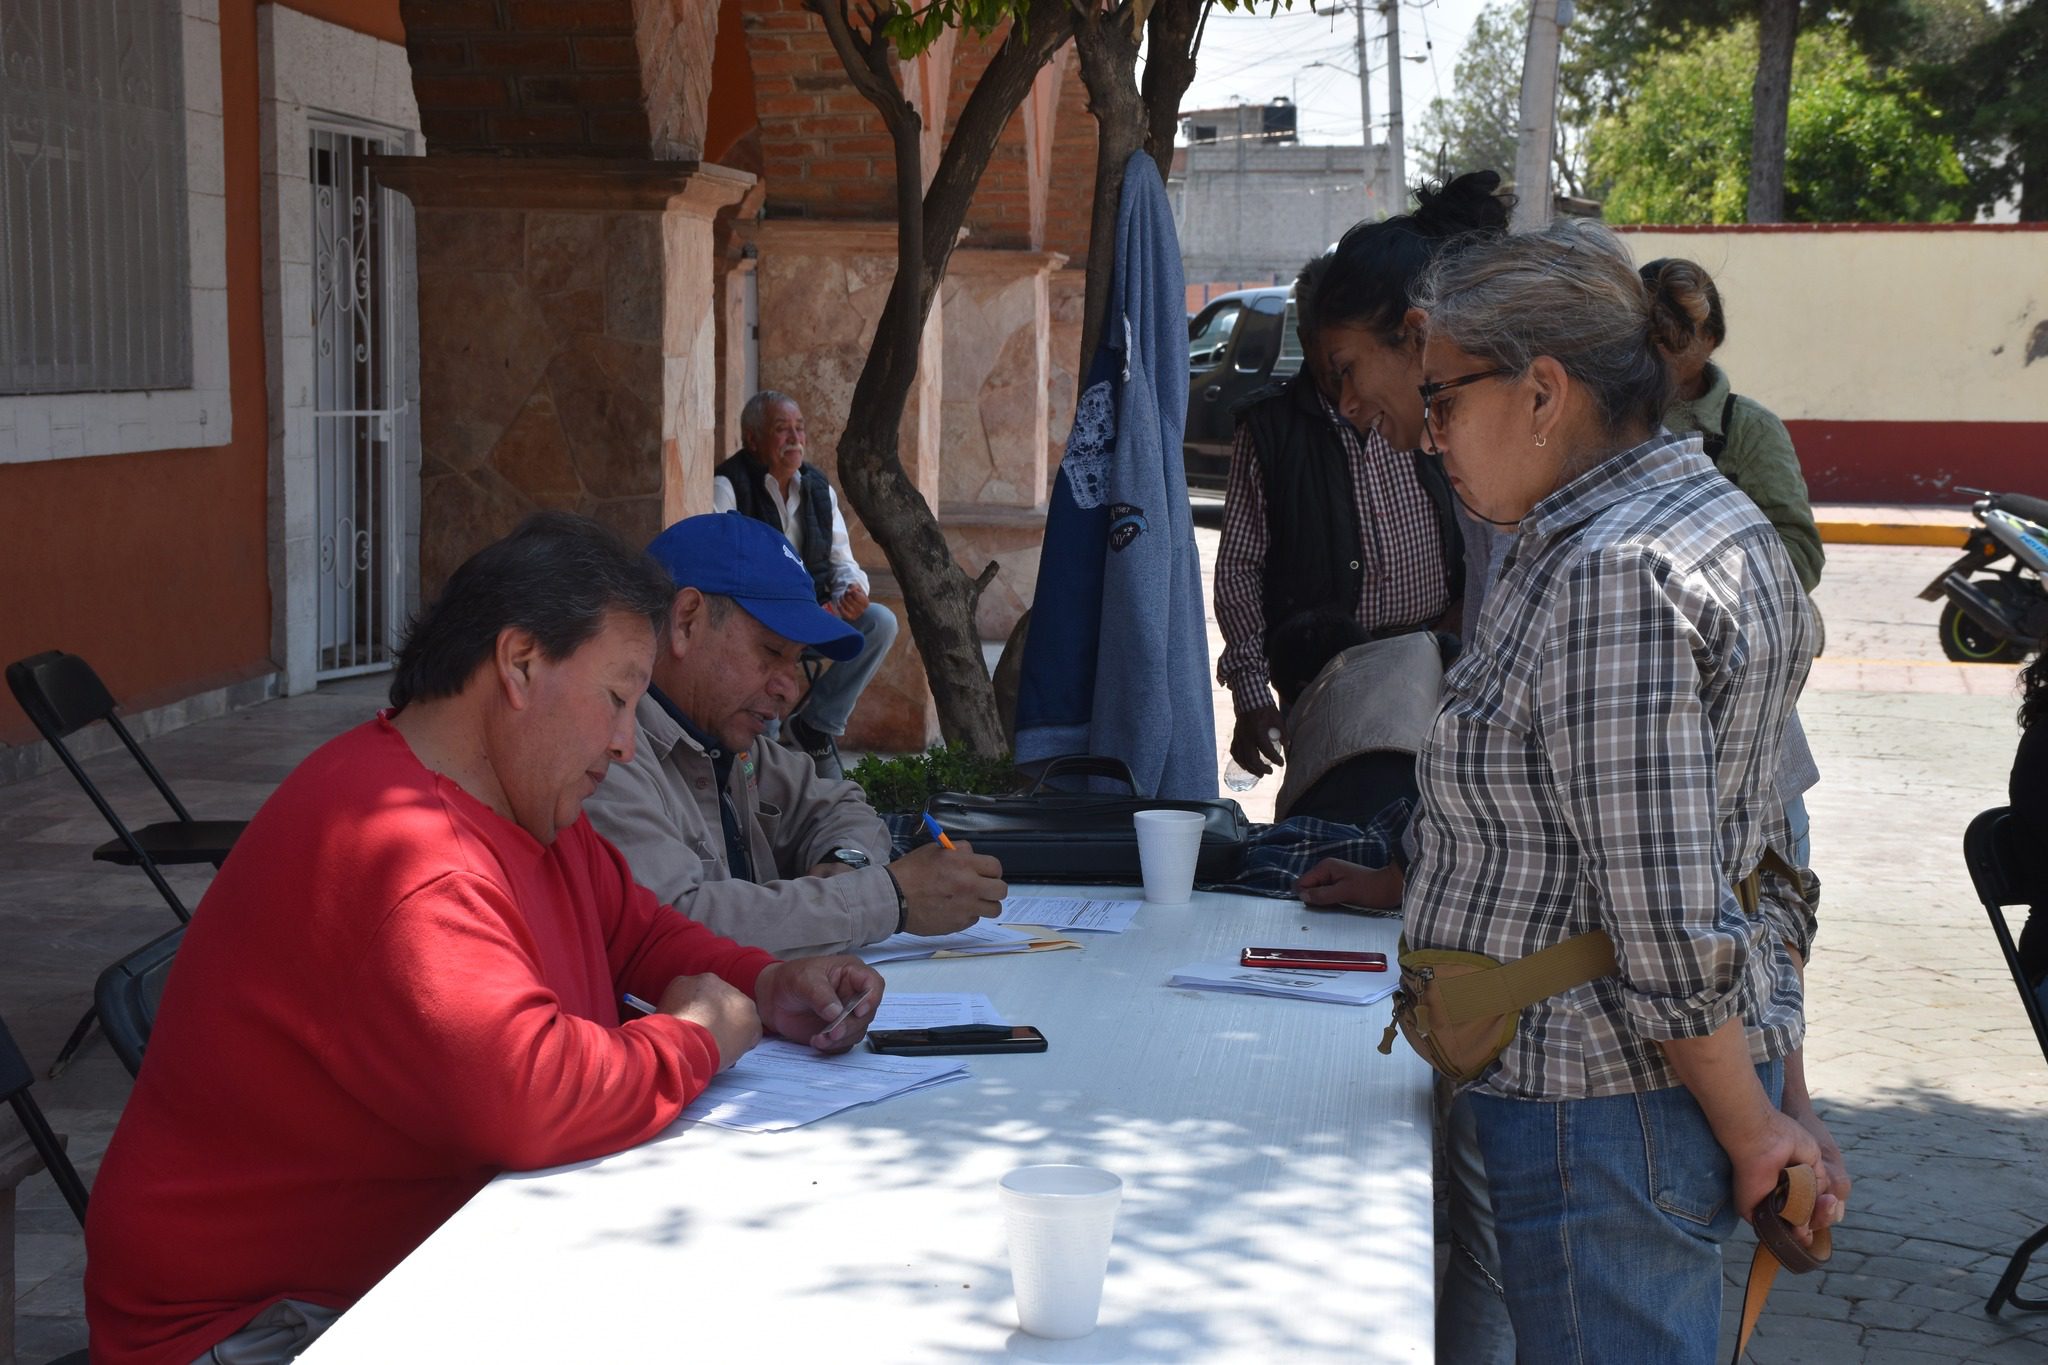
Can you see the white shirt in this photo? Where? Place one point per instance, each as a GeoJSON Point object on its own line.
{"type": "Point", "coordinates": [845, 573]}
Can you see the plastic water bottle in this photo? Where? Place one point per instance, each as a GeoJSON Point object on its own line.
{"type": "Point", "coordinates": [1237, 778]}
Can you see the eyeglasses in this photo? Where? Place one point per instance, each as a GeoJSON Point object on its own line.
{"type": "Point", "coordinates": [1435, 414]}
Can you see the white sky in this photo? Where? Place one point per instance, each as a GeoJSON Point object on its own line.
{"type": "Point", "coordinates": [1255, 57]}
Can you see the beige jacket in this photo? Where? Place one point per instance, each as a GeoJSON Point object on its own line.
{"type": "Point", "coordinates": [662, 812]}
{"type": "Point", "coordinates": [1380, 695]}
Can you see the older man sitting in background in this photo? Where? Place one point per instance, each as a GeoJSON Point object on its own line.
{"type": "Point", "coordinates": [768, 480]}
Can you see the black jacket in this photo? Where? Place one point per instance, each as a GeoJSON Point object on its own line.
{"type": "Point", "coordinates": [1313, 558]}
{"type": "Point", "coordinates": [745, 473]}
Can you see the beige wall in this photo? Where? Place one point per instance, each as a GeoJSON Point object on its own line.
{"type": "Point", "coordinates": [1905, 361]}
{"type": "Point", "coordinates": [1899, 325]}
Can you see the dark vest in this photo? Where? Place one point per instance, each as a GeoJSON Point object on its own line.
{"type": "Point", "coordinates": [1313, 558]}
{"type": "Point", "coordinates": [751, 498]}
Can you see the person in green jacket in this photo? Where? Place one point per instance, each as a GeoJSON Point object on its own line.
{"type": "Point", "coordinates": [1743, 438]}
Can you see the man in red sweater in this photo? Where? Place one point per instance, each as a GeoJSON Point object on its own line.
{"type": "Point", "coordinates": [407, 977]}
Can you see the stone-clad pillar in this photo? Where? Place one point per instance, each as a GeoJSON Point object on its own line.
{"type": "Point", "coordinates": [999, 371]}
{"type": "Point", "coordinates": [567, 352]}
{"type": "Point", "coordinates": [823, 286]}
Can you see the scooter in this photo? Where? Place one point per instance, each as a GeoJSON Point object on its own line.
{"type": "Point", "coordinates": [1996, 616]}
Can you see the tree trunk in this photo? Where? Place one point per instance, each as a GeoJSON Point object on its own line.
{"type": "Point", "coordinates": [1128, 120]}
{"type": "Point", "coordinates": [2034, 180]}
{"type": "Point", "coordinates": [1770, 97]}
{"type": "Point", "coordinates": [939, 597]}
{"type": "Point", "coordinates": [1108, 50]}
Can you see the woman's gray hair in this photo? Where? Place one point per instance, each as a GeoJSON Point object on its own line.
{"type": "Point", "coordinates": [1568, 291]}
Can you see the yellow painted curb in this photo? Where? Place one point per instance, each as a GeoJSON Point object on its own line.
{"type": "Point", "coordinates": [1892, 533]}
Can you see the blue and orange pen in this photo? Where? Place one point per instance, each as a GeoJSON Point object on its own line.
{"type": "Point", "coordinates": [937, 833]}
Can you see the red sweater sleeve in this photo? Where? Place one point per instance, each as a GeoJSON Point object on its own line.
{"type": "Point", "coordinates": [476, 1054]}
{"type": "Point", "coordinates": [649, 944]}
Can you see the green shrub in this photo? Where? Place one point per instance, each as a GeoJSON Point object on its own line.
{"type": "Point", "coordinates": [904, 782]}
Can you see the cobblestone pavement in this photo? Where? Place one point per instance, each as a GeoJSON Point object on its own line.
{"type": "Point", "coordinates": [1919, 1053]}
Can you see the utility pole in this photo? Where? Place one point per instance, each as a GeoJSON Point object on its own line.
{"type": "Point", "coordinates": [1539, 116]}
{"type": "Point", "coordinates": [1365, 166]}
{"type": "Point", "coordinates": [1397, 164]}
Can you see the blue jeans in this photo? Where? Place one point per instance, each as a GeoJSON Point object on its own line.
{"type": "Point", "coordinates": [1472, 1326]}
{"type": "Point", "coordinates": [831, 701]}
{"type": "Point", "coordinates": [1611, 1213]}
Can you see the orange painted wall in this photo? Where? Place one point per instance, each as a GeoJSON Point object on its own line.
{"type": "Point", "coordinates": [154, 566]}
{"type": "Point", "coordinates": [731, 115]}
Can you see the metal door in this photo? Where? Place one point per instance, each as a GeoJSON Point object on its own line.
{"type": "Point", "coordinates": [359, 500]}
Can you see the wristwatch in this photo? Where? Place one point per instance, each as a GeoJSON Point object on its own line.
{"type": "Point", "coordinates": [850, 857]}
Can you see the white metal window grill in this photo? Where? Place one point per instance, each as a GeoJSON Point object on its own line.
{"type": "Point", "coordinates": [94, 262]}
{"type": "Point", "coordinates": [357, 400]}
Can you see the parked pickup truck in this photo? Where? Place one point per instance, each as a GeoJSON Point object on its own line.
{"type": "Point", "coordinates": [1237, 344]}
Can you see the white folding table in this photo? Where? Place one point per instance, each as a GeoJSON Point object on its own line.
{"type": "Point", "coordinates": [1276, 1172]}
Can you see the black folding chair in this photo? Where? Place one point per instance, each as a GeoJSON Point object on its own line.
{"type": "Point", "coordinates": [14, 1084]}
{"type": "Point", "coordinates": [127, 995]}
{"type": "Point", "coordinates": [1989, 848]}
{"type": "Point", "coordinates": [62, 695]}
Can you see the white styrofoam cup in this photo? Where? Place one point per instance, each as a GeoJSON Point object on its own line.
{"type": "Point", "coordinates": [1168, 842]}
{"type": "Point", "coordinates": [1059, 1220]}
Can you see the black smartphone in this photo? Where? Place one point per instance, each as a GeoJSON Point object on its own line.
{"type": "Point", "coordinates": [957, 1040]}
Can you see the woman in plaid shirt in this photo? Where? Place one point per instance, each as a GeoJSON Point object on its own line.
{"type": "Point", "coordinates": [1603, 760]}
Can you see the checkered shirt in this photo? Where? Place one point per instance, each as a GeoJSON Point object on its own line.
{"type": "Point", "coordinates": [1603, 760]}
{"type": "Point", "coordinates": [1402, 553]}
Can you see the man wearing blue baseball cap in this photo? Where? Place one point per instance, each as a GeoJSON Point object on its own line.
{"type": "Point", "coordinates": [737, 832]}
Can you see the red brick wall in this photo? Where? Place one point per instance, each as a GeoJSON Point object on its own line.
{"type": "Point", "coordinates": [824, 151]}
{"type": "Point", "coordinates": [529, 77]}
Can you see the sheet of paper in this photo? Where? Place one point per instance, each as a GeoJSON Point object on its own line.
{"type": "Point", "coordinates": [1335, 988]}
{"type": "Point", "coordinates": [781, 1085]}
{"type": "Point", "coordinates": [1061, 912]}
{"type": "Point", "coordinates": [934, 1009]}
{"type": "Point", "coordinates": [982, 935]}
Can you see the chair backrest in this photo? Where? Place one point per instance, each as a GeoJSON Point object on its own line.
{"type": "Point", "coordinates": [1997, 869]}
{"type": "Point", "coordinates": [128, 993]}
{"type": "Point", "coordinates": [62, 695]}
{"type": "Point", "coordinates": [60, 692]}
{"type": "Point", "coordinates": [15, 1078]}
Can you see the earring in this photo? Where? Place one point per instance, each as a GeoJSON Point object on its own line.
{"type": "Point", "coordinates": [1542, 441]}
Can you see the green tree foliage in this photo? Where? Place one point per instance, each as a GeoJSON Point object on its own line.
{"type": "Point", "coordinates": [1860, 145]}
{"type": "Point", "coordinates": [1996, 98]}
{"type": "Point", "coordinates": [1476, 127]}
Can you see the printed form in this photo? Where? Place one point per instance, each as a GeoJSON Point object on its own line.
{"type": "Point", "coordinates": [782, 1085]}
{"type": "Point", "coordinates": [1060, 912]}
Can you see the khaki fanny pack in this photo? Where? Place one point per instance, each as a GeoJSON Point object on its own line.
{"type": "Point", "coordinates": [1459, 1011]}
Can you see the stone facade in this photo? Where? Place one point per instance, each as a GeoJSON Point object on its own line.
{"type": "Point", "coordinates": [566, 326]}
{"type": "Point", "coordinates": [584, 328]}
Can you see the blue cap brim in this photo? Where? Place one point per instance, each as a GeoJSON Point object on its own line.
{"type": "Point", "coordinates": [805, 623]}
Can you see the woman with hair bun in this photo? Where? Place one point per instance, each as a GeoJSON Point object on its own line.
{"type": "Point", "coordinates": [1748, 444]}
{"type": "Point", "coordinates": [1602, 761]}
{"type": "Point", "coordinates": [1753, 451]}
{"type": "Point", "coordinates": [1371, 532]}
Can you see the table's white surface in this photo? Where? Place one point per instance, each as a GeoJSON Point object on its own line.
{"type": "Point", "coordinates": [1276, 1169]}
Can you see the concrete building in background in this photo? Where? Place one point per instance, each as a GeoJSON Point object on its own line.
{"type": "Point", "coordinates": [1250, 202]}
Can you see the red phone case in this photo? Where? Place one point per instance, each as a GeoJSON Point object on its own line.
{"type": "Point", "coordinates": [1314, 959]}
